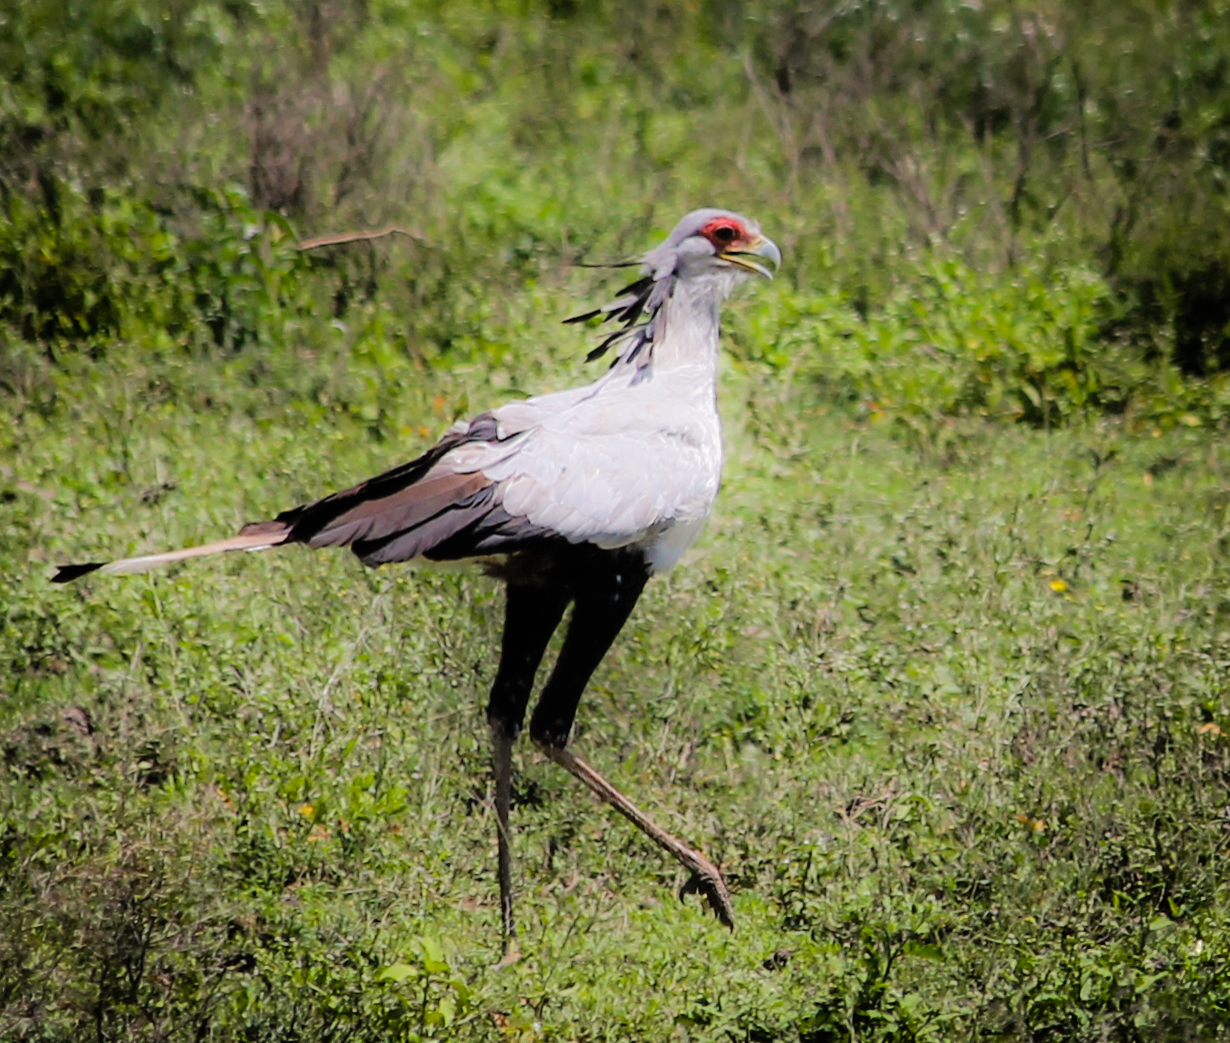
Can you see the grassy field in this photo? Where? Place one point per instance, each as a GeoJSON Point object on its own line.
{"type": "Point", "coordinates": [942, 688]}
{"type": "Point", "coordinates": [949, 714]}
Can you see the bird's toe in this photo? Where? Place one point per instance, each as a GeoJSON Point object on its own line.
{"type": "Point", "coordinates": [709, 885]}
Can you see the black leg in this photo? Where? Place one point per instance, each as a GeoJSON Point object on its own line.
{"type": "Point", "coordinates": [531, 615]}
{"type": "Point", "coordinates": [605, 596]}
{"type": "Point", "coordinates": [604, 599]}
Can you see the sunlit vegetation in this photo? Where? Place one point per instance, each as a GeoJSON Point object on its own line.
{"type": "Point", "coordinates": [943, 687]}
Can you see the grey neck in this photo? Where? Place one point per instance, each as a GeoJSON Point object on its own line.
{"type": "Point", "coordinates": [687, 333]}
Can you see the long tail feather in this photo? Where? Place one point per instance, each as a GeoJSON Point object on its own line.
{"type": "Point", "coordinates": [126, 566]}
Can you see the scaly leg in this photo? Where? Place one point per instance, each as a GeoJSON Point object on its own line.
{"type": "Point", "coordinates": [501, 758]}
{"type": "Point", "coordinates": [530, 617]}
{"type": "Point", "coordinates": [604, 600]}
{"type": "Point", "coordinates": [705, 878]}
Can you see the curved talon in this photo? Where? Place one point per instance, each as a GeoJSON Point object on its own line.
{"type": "Point", "coordinates": [709, 885]}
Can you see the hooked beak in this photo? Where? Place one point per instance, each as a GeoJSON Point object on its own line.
{"type": "Point", "coordinates": [754, 260]}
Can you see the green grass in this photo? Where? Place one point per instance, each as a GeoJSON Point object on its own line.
{"type": "Point", "coordinates": [943, 686]}
{"type": "Point", "coordinates": [950, 712]}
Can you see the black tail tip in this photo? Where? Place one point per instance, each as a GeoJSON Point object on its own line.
{"type": "Point", "coordinates": [68, 573]}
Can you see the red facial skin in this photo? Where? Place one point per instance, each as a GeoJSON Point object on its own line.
{"type": "Point", "coordinates": [726, 234]}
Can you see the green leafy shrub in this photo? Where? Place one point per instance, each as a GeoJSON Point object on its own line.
{"type": "Point", "coordinates": [59, 278]}
{"type": "Point", "coordinates": [953, 342]}
{"type": "Point", "coordinates": [80, 83]}
{"type": "Point", "coordinates": [230, 277]}
{"type": "Point", "coordinates": [240, 273]}
{"type": "Point", "coordinates": [1018, 347]}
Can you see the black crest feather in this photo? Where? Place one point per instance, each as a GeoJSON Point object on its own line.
{"type": "Point", "coordinates": [635, 309]}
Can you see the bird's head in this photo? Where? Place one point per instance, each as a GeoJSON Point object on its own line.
{"type": "Point", "coordinates": [709, 252]}
{"type": "Point", "coordinates": [711, 241]}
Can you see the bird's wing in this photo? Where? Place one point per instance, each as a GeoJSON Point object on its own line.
{"type": "Point", "coordinates": [427, 505]}
{"type": "Point", "coordinates": [399, 514]}
{"type": "Point", "coordinates": [591, 464]}
{"type": "Point", "coordinates": [608, 464]}
{"type": "Point", "coordinates": [609, 469]}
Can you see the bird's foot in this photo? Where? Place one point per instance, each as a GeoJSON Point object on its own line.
{"type": "Point", "coordinates": [705, 879]}
{"type": "Point", "coordinates": [707, 882]}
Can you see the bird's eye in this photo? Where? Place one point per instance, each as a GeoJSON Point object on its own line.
{"type": "Point", "coordinates": [724, 234]}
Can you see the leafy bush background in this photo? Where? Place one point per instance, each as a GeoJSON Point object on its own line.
{"type": "Point", "coordinates": [935, 150]}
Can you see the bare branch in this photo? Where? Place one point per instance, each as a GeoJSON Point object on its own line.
{"type": "Point", "coordinates": [356, 237]}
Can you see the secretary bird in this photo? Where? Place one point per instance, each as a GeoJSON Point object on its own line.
{"type": "Point", "coordinates": [573, 497]}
